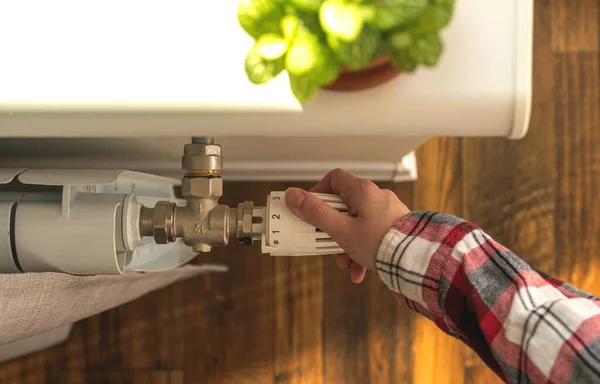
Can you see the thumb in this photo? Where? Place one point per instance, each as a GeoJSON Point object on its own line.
{"type": "Point", "coordinates": [314, 211]}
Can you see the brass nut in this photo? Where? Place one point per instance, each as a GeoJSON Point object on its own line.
{"type": "Point", "coordinates": [205, 157]}
{"type": "Point", "coordinates": [164, 222]}
{"type": "Point", "coordinates": [244, 222]}
{"type": "Point", "coordinates": [202, 149]}
{"type": "Point", "coordinates": [202, 187]}
{"type": "Point", "coordinates": [247, 217]}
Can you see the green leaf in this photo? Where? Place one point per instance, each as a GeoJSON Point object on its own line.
{"type": "Point", "coordinates": [258, 17]}
{"type": "Point", "coordinates": [446, 3]}
{"type": "Point", "coordinates": [305, 56]}
{"type": "Point", "coordinates": [368, 12]}
{"type": "Point", "coordinates": [329, 71]}
{"type": "Point", "coordinates": [400, 40]}
{"type": "Point", "coordinates": [393, 13]}
{"type": "Point", "coordinates": [289, 9]}
{"type": "Point", "coordinates": [308, 5]}
{"type": "Point", "coordinates": [427, 50]}
{"type": "Point", "coordinates": [304, 88]}
{"type": "Point", "coordinates": [432, 19]}
{"type": "Point", "coordinates": [424, 50]}
{"type": "Point", "coordinates": [358, 53]}
{"type": "Point", "coordinates": [342, 20]}
{"type": "Point", "coordinates": [309, 26]}
{"type": "Point", "coordinates": [289, 26]}
{"type": "Point", "coordinates": [402, 61]}
{"type": "Point", "coordinates": [271, 46]}
{"type": "Point", "coordinates": [258, 69]}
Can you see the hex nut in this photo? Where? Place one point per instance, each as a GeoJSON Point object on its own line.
{"type": "Point", "coordinates": [202, 149]}
{"type": "Point", "coordinates": [244, 222]}
{"type": "Point", "coordinates": [202, 187]}
{"type": "Point", "coordinates": [202, 157]}
{"type": "Point", "coordinates": [247, 217]}
{"type": "Point", "coordinates": [163, 222]}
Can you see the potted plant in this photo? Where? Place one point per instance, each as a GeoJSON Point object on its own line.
{"type": "Point", "coordinates": [341, 44]}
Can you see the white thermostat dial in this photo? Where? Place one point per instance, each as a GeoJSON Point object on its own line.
{"type": "Point", "coordinates": [287, 235]}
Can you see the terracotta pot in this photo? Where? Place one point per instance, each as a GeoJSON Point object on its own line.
{"type": "Point", "coordinates": [375, 73]}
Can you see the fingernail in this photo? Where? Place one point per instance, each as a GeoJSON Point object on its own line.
{"type": "Point", "coordinates": [294, 197]}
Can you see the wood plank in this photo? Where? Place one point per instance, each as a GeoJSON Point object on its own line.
{"type": "Point", "coordinates": [27, 370]}
{"type": "Point", "coordinates": [345, 329]}
{"type": "Point", "coordinates": [390, 323]}
{"type": "Point", "coordinates": [158, 377]}
{"type": "Point", "coordinates": [575, 25]}
{"type": "Point", "coordinates": [140, 347]}
{"type": "Point", "coordinates": [204, 349]}
{"type": "Point", "coordinates": [578, 168]}
{"type": "Point", "coordinates": [100, 333]}
{"type": "Point", "coordinates": [481, 375]}
{"type": "Point", "coordinates": [515, 203]}
{"type": "Point", "coordinates": [437, 357]}
{"type": "Point", "coordinates": [169, 325]}
{"type": "Point", "coordinates": [509, 187]}
{"type": "Point", "coordinates": [116, 377]}
{"type": "Point", "coordinates": [298, 320]}
{"type": "Point", "coordinates": [233, 341]}
{"type": "Point", "coordinates": [75, 349]}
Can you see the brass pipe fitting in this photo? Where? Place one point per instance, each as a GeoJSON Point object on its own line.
{"type": "Point", "coordinates": [202, 160]}
{"type": "Point", "coordinates": [202, 223]}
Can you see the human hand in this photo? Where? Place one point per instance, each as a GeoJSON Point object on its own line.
{"type": "Point", "coordinates": [372, 212]}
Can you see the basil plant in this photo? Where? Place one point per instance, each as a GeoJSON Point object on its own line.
{"type": "Point", "coordinates": [314, 39]}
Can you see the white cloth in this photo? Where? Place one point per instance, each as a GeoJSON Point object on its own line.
{"type": "Point", "coordinates": [33, 303]}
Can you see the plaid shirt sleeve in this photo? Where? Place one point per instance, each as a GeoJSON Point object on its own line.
{"type": "Point", "coordinates": [525, 325]}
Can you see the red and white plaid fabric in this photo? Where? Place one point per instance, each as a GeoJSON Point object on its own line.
{"type": "Point", "coordinates": [525, 325]}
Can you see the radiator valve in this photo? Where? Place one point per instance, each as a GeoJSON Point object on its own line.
{"type": "Point", "coordinates": [202, 223]}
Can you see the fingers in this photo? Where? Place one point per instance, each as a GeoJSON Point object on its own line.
{"type": "Point", "coordinates": [357, 273]}
{"type": "Point", "coordinates": [338, 181]}
{"type": "Point", "coordinates": [353, 190]}
{"type": "Point", "coordinates": [343, 261]}
{"type": "Point", "coordinates": [314, 211]}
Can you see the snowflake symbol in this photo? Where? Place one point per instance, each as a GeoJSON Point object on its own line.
{"type": "Point", "coordinates": [276, 242]}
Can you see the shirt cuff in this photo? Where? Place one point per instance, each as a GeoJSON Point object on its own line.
{"type": "Point", "coordinates": [412, 255]}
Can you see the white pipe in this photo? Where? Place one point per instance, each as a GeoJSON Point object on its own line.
{"type": "Point", "coordinates": [7, 264]}
{"type": "Point", "coordinates": [87, 226]}
{"type": "Point", "coordinates": [82, 243]}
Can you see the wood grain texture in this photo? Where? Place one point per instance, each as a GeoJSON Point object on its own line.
{"type": "Point", "coordinates": [481, 375]}
{"type": "Point", "coordinates": [345, 328]}
{"type": "Point", "coordinates": [300, 320]}
{"type": "Point", "coordinates": [117, 377]}
{"type": "Point", "coordinates": [578, 166]}
{"type": "Point", "coordinates": [509, 186]}
{"type": "Point", "coordinates": [575, 24]}
{"type": "Point", "coordinates": [438, 358]}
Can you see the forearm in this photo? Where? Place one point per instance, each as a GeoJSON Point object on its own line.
{"type": "Point", "coordinates": [524, 325]}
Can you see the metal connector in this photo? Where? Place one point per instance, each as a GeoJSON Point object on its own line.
{"type": "Point", "coordinates": [202, 223]}
{"type": "Point", "coordinates": [244, 222]}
